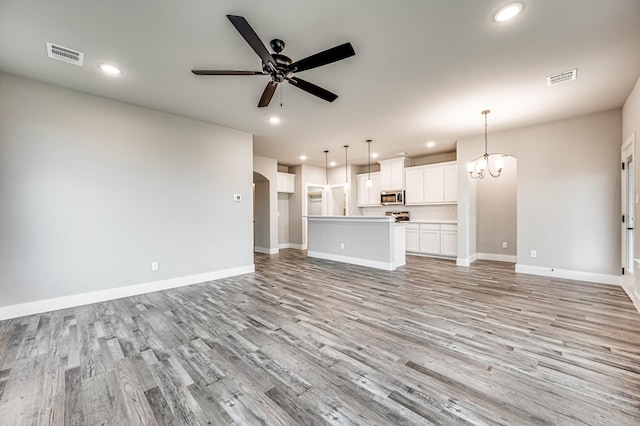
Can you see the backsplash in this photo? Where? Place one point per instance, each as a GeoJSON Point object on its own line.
{"type": "Point", "coordinates": [435, 212]}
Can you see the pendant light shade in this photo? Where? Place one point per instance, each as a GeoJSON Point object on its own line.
{"type": "Point", "coordinates": [326, 170]}
{"type": "Point", "coordinates": [346, 175]}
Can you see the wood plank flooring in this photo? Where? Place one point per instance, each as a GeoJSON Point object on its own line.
{"type": "Point", "coordinates": [308, 341]}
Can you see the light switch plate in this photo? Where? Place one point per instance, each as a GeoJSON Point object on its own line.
{"type": "Point", "coordinates": [237, 197]}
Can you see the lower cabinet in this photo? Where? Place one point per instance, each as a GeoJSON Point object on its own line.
{"type": "Point", "coordinates": [432, 238]}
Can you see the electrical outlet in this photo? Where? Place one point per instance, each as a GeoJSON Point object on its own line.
{"type": "Point", "coordinates": [504, 244]}
{"type": "Point", "coordinates": [237, 198]}
{"type": "Point", "coordinates": [342, 246]}
{"type": "Point", "coordinates": [155, 266]}
{"type": "Point", "coordinates": [533, 253]}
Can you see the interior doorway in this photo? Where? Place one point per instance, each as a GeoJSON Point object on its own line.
{"type": "Point", "coordinates": [627, 193]}
{"type": "Point", "coordinates": [261, 214]}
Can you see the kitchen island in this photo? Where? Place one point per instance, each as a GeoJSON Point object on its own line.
{"type": "Point", "coordinates": [373, 241]}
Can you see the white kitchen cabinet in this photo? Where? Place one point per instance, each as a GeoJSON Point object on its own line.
{"type": "Point", "coordinates": [449, 240]}
{"type": "Point", "coordinates": [412, 237]}
{"type": "Point", "coordinates": [451, 183]}
{"type": "Point", "coordinates": [432, 184]}
{"type": "Point", "coordinates": [392, 173]}
{"type": "Point", "coordinates": [286, 182]}
{"type": "Point", "coordinates": [368, 196]}
{"type": "Point", "coordinates": [414, 186]}
{"type": "Point", "coordinates": [432, 239]}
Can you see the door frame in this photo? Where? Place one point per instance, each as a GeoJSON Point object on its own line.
{"type": "Point", "coordinates": [627, 209]}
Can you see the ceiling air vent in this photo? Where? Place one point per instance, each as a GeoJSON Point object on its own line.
{"type": "Point", "coordinates": [64, 54]}
{"type": "Point", "coordinates": [562, 77]}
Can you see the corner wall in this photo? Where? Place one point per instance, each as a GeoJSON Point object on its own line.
{"type": "Point", "coordinates": [568, 195]}
{"type": "Point", "coordinates": [92, 191]}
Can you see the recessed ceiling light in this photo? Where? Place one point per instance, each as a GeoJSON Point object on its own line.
{"type": "Point", "coordinates": [508, 12]}
{"type": "Point", "coordinates": [303, 157]}
{"type": "Point", "coordinates": [431, 144]}
{"type": "Point", "coordinates": [110, 69]}
{"type": "Point", "coordinates": [332, 164]}
{"type": "Point", "coordinates": [274, 120]}
{"type": "Point", "coordinates": [374, 155]}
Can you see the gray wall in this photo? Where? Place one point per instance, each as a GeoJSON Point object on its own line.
{"type": "Point", "coordinates": [283, 218]}
{"type": "Point", "coordinates": [496, 211]}
{"type": "Point", "coordinates": [261, 218]}
{"type": "Point", "coordinates": [92, 191]}
{"type": "Point", "coordinates": [268, 168]}
{"type": "Point", "coordinates": [568, 191]}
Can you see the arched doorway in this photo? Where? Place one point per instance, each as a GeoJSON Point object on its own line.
{"type": "Point", "coordinates": [261, 214]}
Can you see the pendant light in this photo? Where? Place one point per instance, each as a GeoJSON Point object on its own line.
{"type": "Point", "coordinates": [346, 176]}
{"type": "Point", "coordinates": [326, 170]}
{"type": "Point", "coordinates": [369, 157]}
{"type": "Point", "coordinates": [482, 164]}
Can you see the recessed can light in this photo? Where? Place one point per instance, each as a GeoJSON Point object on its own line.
{"type": "Point", "coordinates": [274, 120]}
{"type": "Point", "coordinates": [332, 164]}
{"type": "Point", "coordinates": [508, 12]}
{"type": "Point", "coordinates": [303, 157]}
{"type": "Point", "coordinates": [110, 69]}
{"type": "Point", "coordinates": [374, 155]}
{"type": "Point", "coordinates": [431, 144]}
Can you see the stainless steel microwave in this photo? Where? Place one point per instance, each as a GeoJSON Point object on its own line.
{"type": "Point", "coordinates": [388, 198]}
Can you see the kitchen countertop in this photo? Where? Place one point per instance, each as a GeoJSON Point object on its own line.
{"type": "Point", "coordinates": [446, 222]}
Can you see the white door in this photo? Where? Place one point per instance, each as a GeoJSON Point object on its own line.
{"type": "Point", "coordinates": [628, 201]}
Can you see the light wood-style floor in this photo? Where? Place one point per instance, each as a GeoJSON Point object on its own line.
{"type": "Point", "coordinates": [307, 341]}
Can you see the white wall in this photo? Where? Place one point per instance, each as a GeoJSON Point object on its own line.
{"type": "Point", "coordinates": [568, 198]}
{"type": "Point", "coordinates": [631, 125]}
{"type": "Point", "coordinates": [92, 191]}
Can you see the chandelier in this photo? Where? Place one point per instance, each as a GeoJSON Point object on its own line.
{"type": "Point", "coordinates": [482, 164]}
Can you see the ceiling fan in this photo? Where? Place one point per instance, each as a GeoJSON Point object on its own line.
{"type": "Point", "coordinates": [280, 67]}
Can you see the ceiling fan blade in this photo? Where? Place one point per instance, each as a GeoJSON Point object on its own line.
{"type": "Point", "coordinates": [267, 94]}
{"type": "Point", "coordinates": [313, 89]}
{"type": "Point", "coordinates": [252, 38]}
{"type": "Point", "coordinates": [225, 72]}
{"type": "Point", "coordinates": [323, 58]}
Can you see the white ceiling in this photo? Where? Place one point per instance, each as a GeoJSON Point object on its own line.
{"type": "Point", "coordinates": [423, 70]}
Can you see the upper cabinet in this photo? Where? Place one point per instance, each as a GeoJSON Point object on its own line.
{"type": "Point", "coordinates": [432, 184]}
{"type": "Point", "coordinates": [286, 182]}
{"type": "Point", "coordinates": [368, 196]}
{"type": "Point", "coordinates": [392, 173]}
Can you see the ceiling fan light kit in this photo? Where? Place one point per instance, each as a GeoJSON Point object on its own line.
{"type": "Point", "coordinates": [280, 67]}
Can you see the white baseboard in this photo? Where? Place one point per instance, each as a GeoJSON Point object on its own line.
{"type": "Point", "coordinates": [569, 274]}
{"type": "Point", "coordinates": [46, 305]}
{"type": "Point", "coordinates": [266, 250]}
{"type": "Point", "coordinates": [634, 296]}
{"type": "Point", "coordinates": [291, 246]}
{"type": "Point", "coordinates": [498, 257]}
{"type": "Point", "coordinates": [387, 266]}
{"type": "Point", "coordinates": [466, 261]}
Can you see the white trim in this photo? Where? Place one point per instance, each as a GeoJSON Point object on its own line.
{"type": "Point", "coordinates": [634, 296]}
{"type": "Point", "coordinates": [568, 274]}
{"type": "Point", "coordinates": [466, 261]}
{"type": "Point", "coordinates": [498, 257]}
{"type": "Point", "coordinates": [290, 246]}
{"type": "Point", "coordinates": [46, 305]}
{"type": "Point", "coordinates": [266, 250]}
{"type": "Point", "coordinates": [387, 266]}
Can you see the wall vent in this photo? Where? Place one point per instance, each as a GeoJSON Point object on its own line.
{"type": "Point", "coordinates": [64, 54]}
{"type": "Point", "coordinates": [562, 77]}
